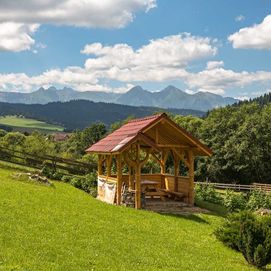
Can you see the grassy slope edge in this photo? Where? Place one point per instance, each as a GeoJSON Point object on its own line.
{"type": "Point", "coordinates": [63, 228]}
{"type": "Point", "coordinates": [33, 124]}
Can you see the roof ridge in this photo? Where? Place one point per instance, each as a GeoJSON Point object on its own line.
{"type": "Point", "coordinates": [147, 118]}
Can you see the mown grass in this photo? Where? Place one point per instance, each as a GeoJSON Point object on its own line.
{"type": "Point", "coordinates": [19, 122]}
{"type": "Point", "coordinates": [63, 228]}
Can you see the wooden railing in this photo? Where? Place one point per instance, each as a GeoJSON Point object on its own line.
{"type": "Point", "coordinates": [38, 161]}
{"type": "Point", "coordinates": [239, 187]}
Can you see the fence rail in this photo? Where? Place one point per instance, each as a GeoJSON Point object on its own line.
{"type": "Point", "coordinates": [240, 187]}
{"type": "Point", "coordinates": [38, 161]}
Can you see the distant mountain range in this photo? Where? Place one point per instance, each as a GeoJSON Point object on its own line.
{"type": "Point", "coordinates": [81, 113]}
{"type": "Point", "coordinates": [170, 97]}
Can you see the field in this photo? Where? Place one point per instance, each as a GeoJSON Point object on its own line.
{"type": "Point", "coordinates": [63, 228]}
{"type": "Point", "coordinates": [28, 124]}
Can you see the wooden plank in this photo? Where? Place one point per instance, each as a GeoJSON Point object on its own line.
{"type": "Point", "coordinates": [119, 178]}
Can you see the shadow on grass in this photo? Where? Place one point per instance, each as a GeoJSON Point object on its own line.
{"type": "Point", "coordinates": [192, 217]}
{"type": "Point", "coordinates": [214, 209]}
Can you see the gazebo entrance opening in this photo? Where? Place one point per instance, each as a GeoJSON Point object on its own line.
{"type": "Point", "coordinates": [123, 154]}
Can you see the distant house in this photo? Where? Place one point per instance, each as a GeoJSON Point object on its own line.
{"type": "Point", "coordinates": [132, 145]}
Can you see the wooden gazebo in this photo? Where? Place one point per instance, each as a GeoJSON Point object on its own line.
{"type": "Point", "coordinates": [132, 145]}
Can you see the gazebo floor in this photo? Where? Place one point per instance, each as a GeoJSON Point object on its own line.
{"type": "Point", "coordinates": [172, 207]}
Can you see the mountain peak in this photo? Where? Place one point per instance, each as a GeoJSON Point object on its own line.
{"type": "Point", "coordinates": [137, 89]}
{"type": "Point", "coordinates": [52, 88]}
{"type": "Point", "coordinates": [171, 89]}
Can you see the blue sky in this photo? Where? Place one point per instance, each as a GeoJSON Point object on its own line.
{"type": "Point", "coordinates": [234, 37]}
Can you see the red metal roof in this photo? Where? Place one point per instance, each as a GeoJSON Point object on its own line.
{"type": "Point", "coordinates": [122, 136]}
{"type": "Point", "coordinates": [131, 131]}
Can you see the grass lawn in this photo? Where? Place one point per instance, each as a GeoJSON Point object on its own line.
{"type": "Point", "coordinates": [63, 228]}
{"type": "Point", "coordinates": [33, 124]}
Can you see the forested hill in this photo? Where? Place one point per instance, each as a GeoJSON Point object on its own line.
{"type": "Point", "coordinates": [81, 113]}
{"type": "Point", "coordinates": [261, 100]}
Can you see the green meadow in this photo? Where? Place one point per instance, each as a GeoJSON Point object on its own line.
{"type": "Point", "coordinates": [31, 124]}
{"type": "Point", "coordinates": [62, 228]}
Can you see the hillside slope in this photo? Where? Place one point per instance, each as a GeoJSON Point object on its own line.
{"type": "Point", "coordinates": [81, 113]}
{"type": "Point", "coordinates": [62, 228]}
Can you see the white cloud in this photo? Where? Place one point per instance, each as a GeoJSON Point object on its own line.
{"type": "Point", "coordinates": [16, 37]}
{"type": "Point", "coordinates": [214, 64]}
{"type": "Point", "coordinates": [88, 13]}
{"type": "Point", "coordinates": [240, 18]}
{"type": "Point", "coordinates": [190, 91]}
{"type": "Point", "coordinates": [20, 19]}
{"type": "Point", "coordinates": [217, 80]}
{"type": "Point", "coordinates": [257, 36]}
{"type": "Point", "coordinates": [159, 60]}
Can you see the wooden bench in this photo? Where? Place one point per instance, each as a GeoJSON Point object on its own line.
{"type": "Point", "coordinates": [175, 195]}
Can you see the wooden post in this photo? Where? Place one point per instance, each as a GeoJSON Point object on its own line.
{"type": "Point", "coordinates": [176, 172]}
{"type": "Point", "coordinates": [163, 167]}
{"type": "Point", "coordinates": [100, 168]}
{"type": "Point", "coordinates": [138, 179]}
{"type": "Point", "coordinates": [119, 179]}
{"type": "Point", "coordinates": [191, 177]}
{"type": "Point", "coordinates": [131, 178]}
{"type": "Point", "coordinates": [108, 165]}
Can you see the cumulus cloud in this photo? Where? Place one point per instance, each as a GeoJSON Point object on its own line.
{"type": "Point", "coordinates": [217, 80]}
{"type": "Point", "coordinates": [16, 37]}
{"type": "Point", "coordinates": [159, 60]}
{"type": "Point", "coordinates": [20, 19]}
{"type": "Point", "coordinates": [214, 64]}
{"type": "Point", "coordinates": [257, 36]}
{"type": "Point", "coordinates": [88, 13]}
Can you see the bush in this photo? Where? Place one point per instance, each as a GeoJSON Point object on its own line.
{"type": "Point", "coordinates": [248, 234]}
{"type": "Point", "coordinates": [255, 242]}
{"type": "Point", "coordinates": [51, 173]}
{"type": "Point", "coordinates": [234, 201]}
{"type": "Point", "coordinates": [66, 178]}
{"type": "Point", "coordinates": [207, 193]}
{"type": "Point", "coordinates": [258, 199]}
{"type": "Point", "coordinates": [229, 232]}
{"type": "Point", "coordinates": [88, 183]}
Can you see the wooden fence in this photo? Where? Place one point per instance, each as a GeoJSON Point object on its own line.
{"type": "Point", "coordinates": [38, 161]}
{"type": "Point", "coordinates": [240, 187]}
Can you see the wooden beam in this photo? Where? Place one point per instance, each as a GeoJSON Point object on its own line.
{"type": "Point", "coordinates": [172, 146]}
{"type": "Point", "coordinates": [157, 159]}
{"type": "Point", "coordinates": [164, 157]}
{"type": "Point", "coordinates": [131, 179]}
{"type": "Point", "coordinates": [108, 165]}
{"type": "Point", "coordinates": [119, 178]}
{"type": "Point", "coordinates": [191, 178]}
{"type": "Point", "coordinates": [176, 172]}
{"type": "Point", "coordinates": [138, 180]}
{"type": "Point", "coordinates": [100, 164]}
{"type": "Point", "coordinates": [156, 135]}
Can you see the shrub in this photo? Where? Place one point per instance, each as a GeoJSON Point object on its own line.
{"type": "Point", "coordinates": [248, 234]}
{"type": "Point", "coordinates": [229, 231]}
{"type": "Point", "coordinates": [258, 199]}
{"type": "Point", "coordinates": [88, 183]}
{"type": "Point", "coordinates": [255, 242]}
{"type": "Point", "coordinates": [66, 178]}
{"type": "Point", "coordinates": [51, 172]}
{"type": "Point", "coordinates": [234, 201]}
{"type": "Point", "coordinates": [207, 193]}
